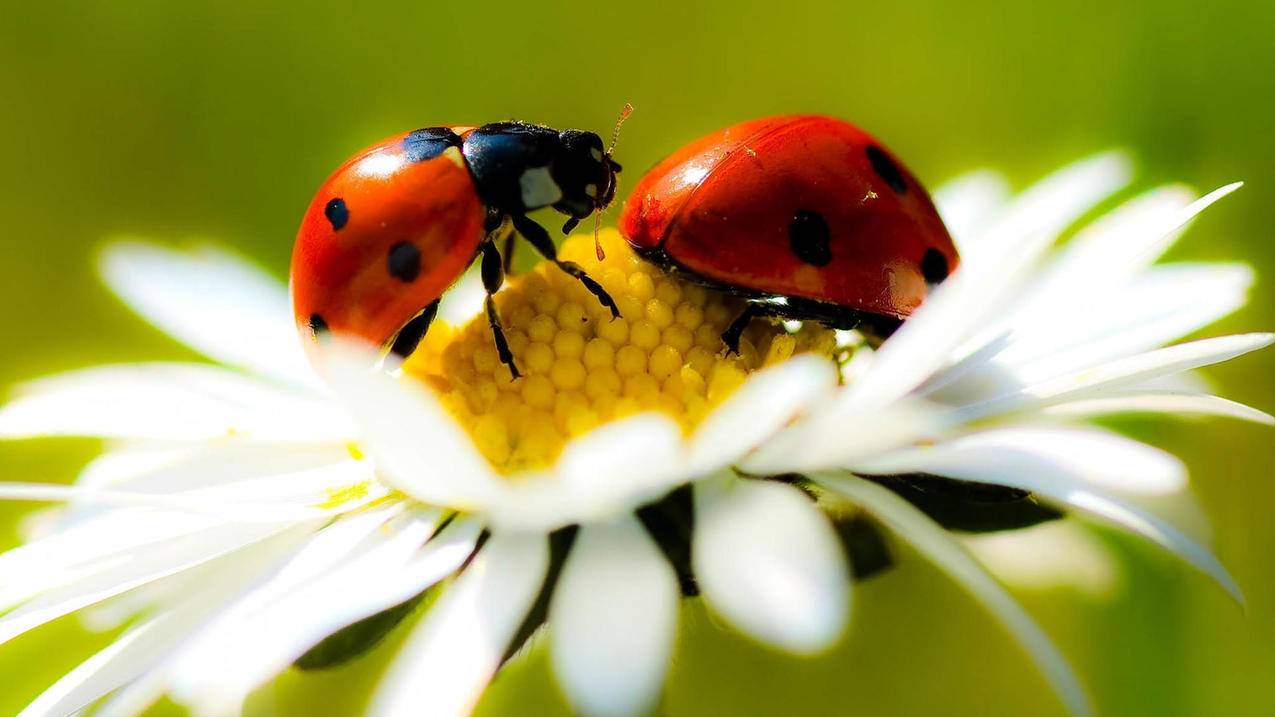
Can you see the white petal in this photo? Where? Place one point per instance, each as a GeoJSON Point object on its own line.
{"type": "Point", "coordinates": [450, 657]}
{"type": "Point", "coordinates": [613, 620]}
{"type": "Point", "coordinates": [194, 506]}
{"type": "Point", "coordinates": [1162, 304]}
{"type": "Point", "coordinates": [214, 302]}
{"type": "Point", "coordinates": [166, 469]}
{"type": "Point", "coordinates": [968, 203]}
{"type": "Point", "coordinates": [932, 541]}
{"type": "Point", "coordinates": [95, 545]}
{"type": "Point", "coordinates": [1067, 481]}
{"type": "Point", "coordinates": [276, 623]}
{"type": "Point", "coordinates": [770, 563]}
{"type": "Point", "coordinates": [143, 648]}
{"type": "Point", "coordinates": [139, 568]}
{"type": "Point", "coordinates": [1133, 236]}
{"type": "Point", "coordinates": [840, 432]}
{"type": "Point", "coordinates": [417, 446]}
{"type": "Point", "coordinates": [1103, 459]}
{"type": "Point", "coordinates": [1172, 403]}
{"type": "Point", "coordinates": [767, 401]}
{"type": "Point", "coordinates": [1048, 207]}
{"type": "Point", "coordinates": [607, 472]}
{"type": "Point", "coordinates": [171, 402]}
{"type": "Point", "coordinates": [1122, 373]}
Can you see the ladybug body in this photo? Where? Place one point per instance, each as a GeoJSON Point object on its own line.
{"type": "Point", "coordinates": [806, 216]}
{"type": "Point", "coordinates": [399, 222]}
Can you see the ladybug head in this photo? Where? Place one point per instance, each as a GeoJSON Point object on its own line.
{"type": "Point", "coordinates": [585, 173]}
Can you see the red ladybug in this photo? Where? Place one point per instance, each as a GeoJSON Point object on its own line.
{"type": "Point", "coordinates": [399, 222]}
{"type": "Point", "coordinates": [806, 217]}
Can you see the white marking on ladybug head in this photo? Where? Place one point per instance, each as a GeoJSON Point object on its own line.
{"type": "Point", "coordinates": [591, 190]}
{"type": "Point", "coordinates": [596, 154]}
{"type": "Point", "coordinates": [538, 188]}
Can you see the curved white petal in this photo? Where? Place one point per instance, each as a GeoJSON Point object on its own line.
{"type": "Point", "coordinates": [840, 432]}
{"type": "Point", "coordinates": [1171, 403]}
{"type": "Point", "coordinates": [1097, 457]}
{"type": "Point", "coordinates": [1131, 237]}
{"type": "Point", "coordinates": [136, 569]}
{"type": "Point", "coordinates": [141, 652]}
{"type": "Point", "coordinates": [119, 539]}
{"type": "Point", "coordinates": [1119, 374]}
{"type": "Point", "coordinates": [969, 202]}
{"type": "Point", "coordinates": [613, 620]}
{"type": "Point", "coordinates": [417, 446]}
{"type": "Point", "coordinates": [169, 402]}
{"type": "Point", "coordinates": [213, 301]}
{"type": "Point", "coordinates": [1048, 207]}
{"type": "Point", "coordinates": [1162, 304]}
{"type": "Point", "coordinates": [276, 623]}
{"type": "Point", "coordinates": [770, 563]}
{"type": "Point", "coordinates": [767, 401]}
{"type": "Point", "coordinates": [607, 472]}
{"type": "Point", "coordinates": [188, 504]}
{"type": "Point", "coordinates": [932, 541]}
{"type": "Point", "coordinates": [1068, 481]}
{"type": "Point", "coordinates": [451, 656]}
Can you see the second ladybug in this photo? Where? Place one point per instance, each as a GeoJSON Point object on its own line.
{"type": "Point", "coordinates": [398, 223]}
{"type": "Point", "coordinates": [806, 217]}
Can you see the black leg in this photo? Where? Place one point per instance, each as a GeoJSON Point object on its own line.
{"type": "Point", "coordinates": [411, 334]}
{"type": "Point", "coordinates": [509, 253]}
{"type": "Point", "coordinates": [570, 224]}
{"type": "Point", "coordinates": [539, 239]}
{"type": "Point", "coordinates": [735, 331]}
{"type": "Point", "coordinates": [493, 272]}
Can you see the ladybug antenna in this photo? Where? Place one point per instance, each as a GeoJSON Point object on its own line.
{"type": "Point", "coordinates": [615, 133]}
{"type": "Point", "coordinates": [597, 216]}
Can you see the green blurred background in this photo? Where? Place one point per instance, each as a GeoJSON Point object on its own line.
{"type": "Point", "coordinates": [216, 120]}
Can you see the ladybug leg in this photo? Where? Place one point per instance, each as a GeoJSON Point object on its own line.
{"type": "Point", "coordinates": [735, 331]}
{"type": "Point", "coordinates": [410, 336]}
{"type": "Point", "coordinates": [509, 253]}
{"type": "Point", "coordinates": [493, 272]}
{"type": "Point", "coordinates": [539, 239]}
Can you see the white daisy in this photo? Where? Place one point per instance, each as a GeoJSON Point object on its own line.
{"type": "Point", "coordinates": [248, 513]}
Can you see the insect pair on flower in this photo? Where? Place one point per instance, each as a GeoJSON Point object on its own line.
{"type": "Point", "coordinates": [804, 217]}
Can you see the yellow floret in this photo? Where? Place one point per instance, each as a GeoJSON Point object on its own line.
{"type": "Point", "coordinates": [581, 368]}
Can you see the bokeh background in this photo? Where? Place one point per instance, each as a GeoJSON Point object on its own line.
{"type": "Point", "coordinates": [217, 120]}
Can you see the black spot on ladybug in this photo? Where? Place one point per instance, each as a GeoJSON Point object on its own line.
{"type": "Point", "coordinates": [933, 266]}
{"type": "Point", "coordinates": [886, 169]}
{"type": "Point", "coordinates": [809, 238]}
{"type": "Point", "coordinates": [427, 143]}
{"type": "Point", "coordinates": [317, 325]}
{"type": "Point", "coordinates": [337, 213]}
{"type": "Point", "coordinates": [404, 262]}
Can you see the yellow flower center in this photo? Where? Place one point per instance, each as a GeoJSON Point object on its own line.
{"type": "Point", "coordinates": [581, 368]}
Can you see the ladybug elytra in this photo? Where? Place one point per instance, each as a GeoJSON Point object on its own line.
{"type": "Point", "coordinates": [806, 217]}
{"type": "Point", "coordinates": [399, 222]}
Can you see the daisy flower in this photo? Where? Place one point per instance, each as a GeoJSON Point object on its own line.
{"type": "Point", "coordinates": [246, 516]}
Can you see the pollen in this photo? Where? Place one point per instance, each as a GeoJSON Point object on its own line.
{"type": "Point", "coordinates": [582, 368]}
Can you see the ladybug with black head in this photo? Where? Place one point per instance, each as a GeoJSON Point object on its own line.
{"type": "Point", "coordinates": [399, 222]}
{"type": "Point", "coordinates": [806, 217]}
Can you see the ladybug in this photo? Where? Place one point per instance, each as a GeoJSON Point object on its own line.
{"type": "Point", "coordinates": [399, 222]}
{"type": "Point", "coordinates": [806, 217]}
